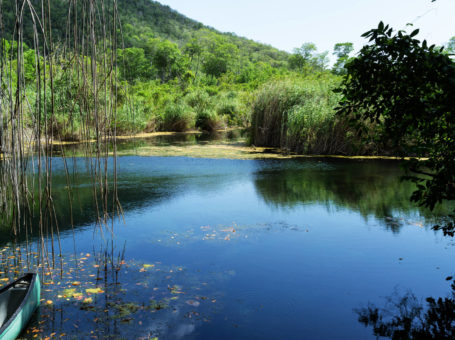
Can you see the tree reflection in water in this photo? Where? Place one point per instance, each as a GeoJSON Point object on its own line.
{"type": "Point", "coordinates": [404, 317]}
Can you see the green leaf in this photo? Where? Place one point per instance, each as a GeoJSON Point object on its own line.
{"type": "Point", "coordinates": [414, 33]}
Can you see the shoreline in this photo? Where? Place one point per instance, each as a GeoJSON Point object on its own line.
{"type": "Point", "coordinates": [226, 150]}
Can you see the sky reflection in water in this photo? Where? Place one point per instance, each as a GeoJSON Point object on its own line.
{"type": "Point", "coordinates": [253, 249]}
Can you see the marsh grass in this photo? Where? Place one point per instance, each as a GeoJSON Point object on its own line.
{"type": "Point", "coordinates": [298, 115]}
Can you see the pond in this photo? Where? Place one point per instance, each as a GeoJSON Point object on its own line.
{"type": "Point", "coordinates": [237, 249]}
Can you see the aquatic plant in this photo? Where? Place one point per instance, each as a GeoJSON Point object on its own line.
{"type": "Point", "coordinates": [298, 115]}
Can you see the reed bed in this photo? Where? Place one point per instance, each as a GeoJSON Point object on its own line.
{"type": "Point", "coordinates": [299, 116]}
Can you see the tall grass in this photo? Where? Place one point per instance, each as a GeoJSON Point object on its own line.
{"type": "Point", "coordinates": [178, 117]}
{"type": "Point", "coordinates": [298, 115]}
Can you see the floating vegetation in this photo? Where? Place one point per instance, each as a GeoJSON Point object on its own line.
{"type": "Point", "coordinates": [170, 144]}
{"type": "Point", "coordinates": [226, 150]}
{"type": "Point", "coordinates": [92, 295]}
{"type": "Point", "coordinates": [223, 233]}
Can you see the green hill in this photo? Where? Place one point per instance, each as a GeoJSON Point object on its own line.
{"type": "Point", "coordinates": [142, 20]}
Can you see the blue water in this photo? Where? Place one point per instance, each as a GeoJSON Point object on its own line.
{"type": "Point", "coordinates": [276, 249]}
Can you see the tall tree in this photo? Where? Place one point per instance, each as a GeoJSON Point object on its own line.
{"type": "Point", "coordinates": [135, 65]}
{"type": "Point", "coordinates": [451, 45]}
{"type": "Point", "coordinates": [169, 60]}
{"type": "Point", "coordinates": [342, 52]}
{"type": "Point", "coordinates": [306, 58]}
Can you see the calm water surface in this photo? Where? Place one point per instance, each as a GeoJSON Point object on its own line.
{"type": "Point", "coordinates": [246, 249]}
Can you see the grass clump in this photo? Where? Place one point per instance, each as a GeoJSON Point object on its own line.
{"type": "Point", "coordinates": [178, 117]}
{"type": "Point", "coordinates": [298, 115]}
{"type": "Point", "coordinates": [209, 120]}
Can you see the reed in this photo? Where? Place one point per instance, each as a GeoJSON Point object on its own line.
{"type": "Point", "coordinates": [56, 90]}
{"type": "Point", "coordinates": [299, 116]}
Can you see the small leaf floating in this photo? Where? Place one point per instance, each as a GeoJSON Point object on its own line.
{"type": "Point", "coordinates": [193, 303]}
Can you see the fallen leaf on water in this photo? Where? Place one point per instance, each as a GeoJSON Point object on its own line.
{"type": "Point", "coordinates": [71, 293]}
{"type": "Point", "coordinates": [76, 283]}
{"type": "Point", "coordinates": [193, 303]}
{"type": "Point", "coordinates": [94, 291]}
{"type": "Point", "coordinates": [49, 302]}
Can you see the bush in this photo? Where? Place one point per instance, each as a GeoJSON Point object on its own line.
{"type": "Point", "coordinates": [199, 100]}
{"type": "Point", "coordinates": [230, 108]}
{"type": "Point", "coordinates": [177, 117]}
{"type": "Point", "coordinates": [208, 120]}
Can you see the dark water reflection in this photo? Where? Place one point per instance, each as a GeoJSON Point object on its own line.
{"type": "Point", "coordinates": [370, 188]}
{"type": "Point", "coordinates": [253, 249]}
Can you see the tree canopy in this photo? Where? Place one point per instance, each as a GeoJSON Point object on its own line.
{"type": "Point", "coordinates": [342, 52]}
{"type": "Point", "coordinates": [408, 87]}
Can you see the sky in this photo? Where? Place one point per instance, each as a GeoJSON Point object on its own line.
{"type": "Point", "coordinates": [287, 24]}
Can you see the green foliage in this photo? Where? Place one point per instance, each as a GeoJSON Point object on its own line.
{"type": "Point", "coordinates": [173, 70]}
{"type": "Point", "coordinates": [305, 59]}
{"type": "Point", "coordinates": [134, 65]}
{"type": "Point", "coordinates": [29, 65]}
{"type": "Point", "coordinates": [209, 120]}
{"type": "Point", "coordinates": [199, 100]}
{"type": "Point", "coordinates": [178, 117]}
{"type": "Point", "coordinates": [299, 116]}
{"type": "Point", "coordinates": [408, 87]}
{"type": "Point", "coordinates": [451, 45]}
{"type": "Point", "coordinates": [228, 106]}
{"type": "Point", "coordinates": [342, 51]}
{"type": "Point", "coordinates": [169, 61]}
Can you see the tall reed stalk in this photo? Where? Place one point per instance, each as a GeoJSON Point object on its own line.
{"type": "Point", "coordinates": [85, 67]}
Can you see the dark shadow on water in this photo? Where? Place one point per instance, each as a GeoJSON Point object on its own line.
{"type": "Point", "coordinates": [371, 188]}
{"type": "Point", "coordinates": [405, 318]}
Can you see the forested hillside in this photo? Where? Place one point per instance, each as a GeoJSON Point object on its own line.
{"type": "Point", "coordinates": [177, 74]}
{"type": "Point", "coordinates": [142, 20]}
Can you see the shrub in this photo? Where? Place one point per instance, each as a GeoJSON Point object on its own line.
{"type": "Point", "coordinates": [230, 108]}
{"type": "Point", "coordinates": [177, 117]}
{"type": "Point", "coordinates": [199, 100]}
{"type": "Point", "coordinates": [210, 121]}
